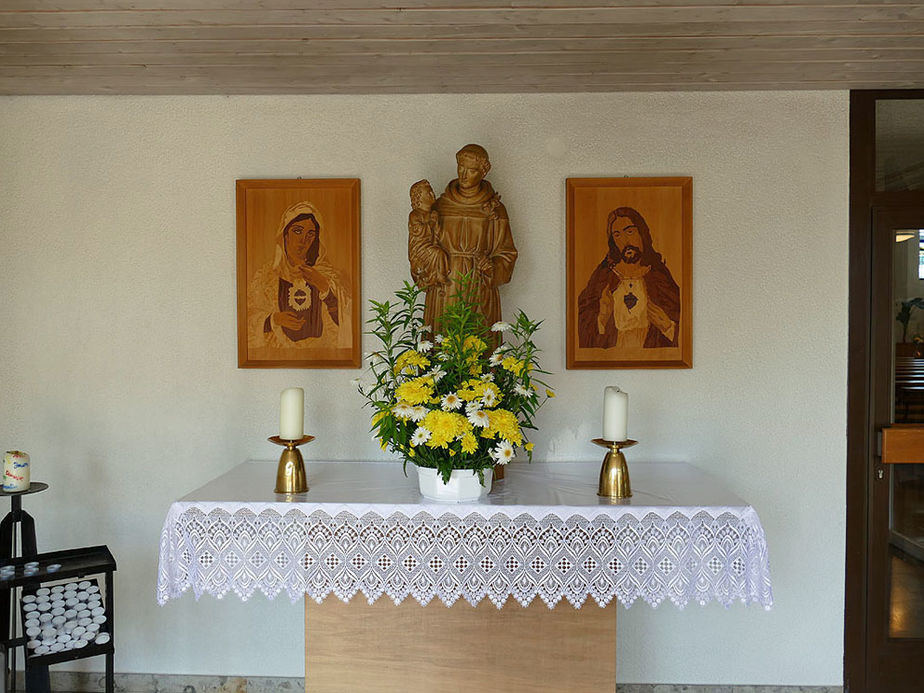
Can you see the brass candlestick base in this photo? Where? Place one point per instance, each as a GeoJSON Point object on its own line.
{"type": "Point", "coordinates": [290, 475]}
{"type": "Point", "coordinates": [614, 474]}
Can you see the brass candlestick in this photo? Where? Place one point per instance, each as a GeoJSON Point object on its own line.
{"type": "Point", "coordinates": [290, 474]}
{"type": "Point", "coordinates": [614, 474]}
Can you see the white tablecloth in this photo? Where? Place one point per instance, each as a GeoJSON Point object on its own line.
{"type": "Point", "coordinates": [543, 532]}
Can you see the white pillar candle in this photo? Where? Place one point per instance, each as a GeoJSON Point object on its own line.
{"type": "Point", "coordinates": [615, 414]}
{"type": "Point", "coordinates": [292, 414]}
{"type": "Point", "coordinates": [16, 472]}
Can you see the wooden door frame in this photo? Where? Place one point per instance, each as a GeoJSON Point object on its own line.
{"type": "Point", "coordinates": [860, 435]}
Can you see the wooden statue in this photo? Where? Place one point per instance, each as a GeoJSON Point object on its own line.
{"type": "Point", "coordinates": [465, 231]}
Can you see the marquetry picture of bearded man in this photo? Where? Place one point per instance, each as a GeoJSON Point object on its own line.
{"type": "Point", "coordinates": [630, 307]}
{"type": "Point", "coordinates": [631, 300]}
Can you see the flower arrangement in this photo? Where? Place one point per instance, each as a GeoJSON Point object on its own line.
{"type": "Point", "coordinates": [451, 400]}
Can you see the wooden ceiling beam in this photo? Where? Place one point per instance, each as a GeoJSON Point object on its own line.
{"type": "Point", "coordinates": [820, 30]}
{"type": "Point", "coordinates": [749, 47]}
{"type": "Point", "coordinates": [131, 86]}
{"type": "Point", "coordinates": [421, 63]}
{"type": "Point", "coordinates": [209, 5]}
{"type": "Point", "coordinates": [377, 46]}
{"type": "Point", "coordinates": [422, 18]}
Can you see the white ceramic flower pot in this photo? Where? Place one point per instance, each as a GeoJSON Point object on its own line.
{"type": "Point", "coordinates": [463, 485]}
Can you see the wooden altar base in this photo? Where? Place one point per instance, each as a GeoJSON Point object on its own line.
{"type": "Point", "coordinates": [413, 649]}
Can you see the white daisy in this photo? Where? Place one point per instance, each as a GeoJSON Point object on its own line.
{"type": "Point", "coordinates": [426, 328]}
{"type": "Point", "coordinates": [421, 436]}
{"type": "Point", "coordinates": [501, 326]}
{"type": "Point", "coordinates": [503, 453]}
{"type": "Point", "coordinates": [424, 346]}
{"type": "Point", "coordinates": [443, 356]}
{"type": "Point", "coordinates": [520, 390]}
{"type": "Point", "coordinates": [438, 339]}
{"type": "Point", "coordinates": [436, 374]}
{"type": "Point", "coordinates": [478, 418]}
{"type": "Point", "coordinates": [451, 402]}
{"type": "Point", "coordinates": [403, 410]}
{"type": "Point", "coordinates": [489, 399]}
{"type": "Point", "coordinates": [418, 413]}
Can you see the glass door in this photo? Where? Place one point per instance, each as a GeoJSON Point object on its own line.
{"type": "Point", "coordinates": [896, 552]}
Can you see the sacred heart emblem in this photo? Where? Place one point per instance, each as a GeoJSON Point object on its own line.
{"type": "Point", "coordinates": [299, 298]}
{"type": "Point", "coordinates": [630, 300]}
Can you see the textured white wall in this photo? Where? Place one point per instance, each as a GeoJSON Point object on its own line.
{"type": "Point", "coordinates": [118, 355]}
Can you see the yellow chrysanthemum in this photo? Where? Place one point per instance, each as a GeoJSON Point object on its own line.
{"type": "Point", "coordinates": [469, 443]}
{"type": "Point", "coordinates": [444, 427]}
{"type": "Point", "coordinates": [416, 391]}
{"type": "Point", "coordinates": [549, 394]}
{"type": "Point", "coordinates": [410, 361]}
{"type": "Point", "coordinates": [378, 416]}
{"type": "Point", "coordinates": [513, 365]}
{"type": "Point", "coordinates": [473, 342]}
{"type": "Point", "coordinates": [504, 423]}
{"type": "Point", "coordinates": [529, 447]}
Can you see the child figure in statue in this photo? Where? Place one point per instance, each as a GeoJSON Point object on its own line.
{"type": "Point", "coordinates": [429, 261]}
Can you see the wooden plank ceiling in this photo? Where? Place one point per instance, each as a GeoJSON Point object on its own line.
{"type": "Point", "coordinates": [431, 46]}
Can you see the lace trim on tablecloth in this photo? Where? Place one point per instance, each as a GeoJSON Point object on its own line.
{"type": "Point", "coordinates": [680, 558]}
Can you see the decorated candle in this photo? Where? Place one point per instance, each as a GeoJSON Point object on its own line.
{"type": "Point", "coordinates": [16, 475]}
{"type": "Point", "coordinates": [292, 414]}
{"type": "Point", "coordinates": [615, 414]}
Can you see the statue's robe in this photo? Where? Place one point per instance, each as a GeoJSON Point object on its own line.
{"type": "Point", "coordinates": [469, 228]}
{"type": "Point", "coordinates": [661, 290]}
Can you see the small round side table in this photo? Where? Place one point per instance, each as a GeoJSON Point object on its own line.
{"type": "Point", "coordinates": [37, 679]}
{"type": "Point", "coordinates": [18, 516]}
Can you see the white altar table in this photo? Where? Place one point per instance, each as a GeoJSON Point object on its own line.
{"type": "Point", "coordinates": [543, 532]}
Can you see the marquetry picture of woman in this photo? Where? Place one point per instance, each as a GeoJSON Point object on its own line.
{"type": "Point", "coordinates": [298, 273]}
{"type": "Point", "coordinates": [629, 257]}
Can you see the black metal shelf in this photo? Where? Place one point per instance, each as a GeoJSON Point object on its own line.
{"type": "Point", "coordinates": [75, 564]}
{"type": "Point", "coordinates": [70, 655]}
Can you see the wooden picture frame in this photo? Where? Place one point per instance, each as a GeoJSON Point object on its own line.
{"type": "Point", "coordinates": [631, 306]}
{"type": "Point", "coordinates": [298, 273]}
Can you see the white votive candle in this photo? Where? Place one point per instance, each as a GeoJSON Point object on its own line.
{"type": "Point", "coordinates": [615, 414]}
{"type": "Point", "coordinates": [292, 414]}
